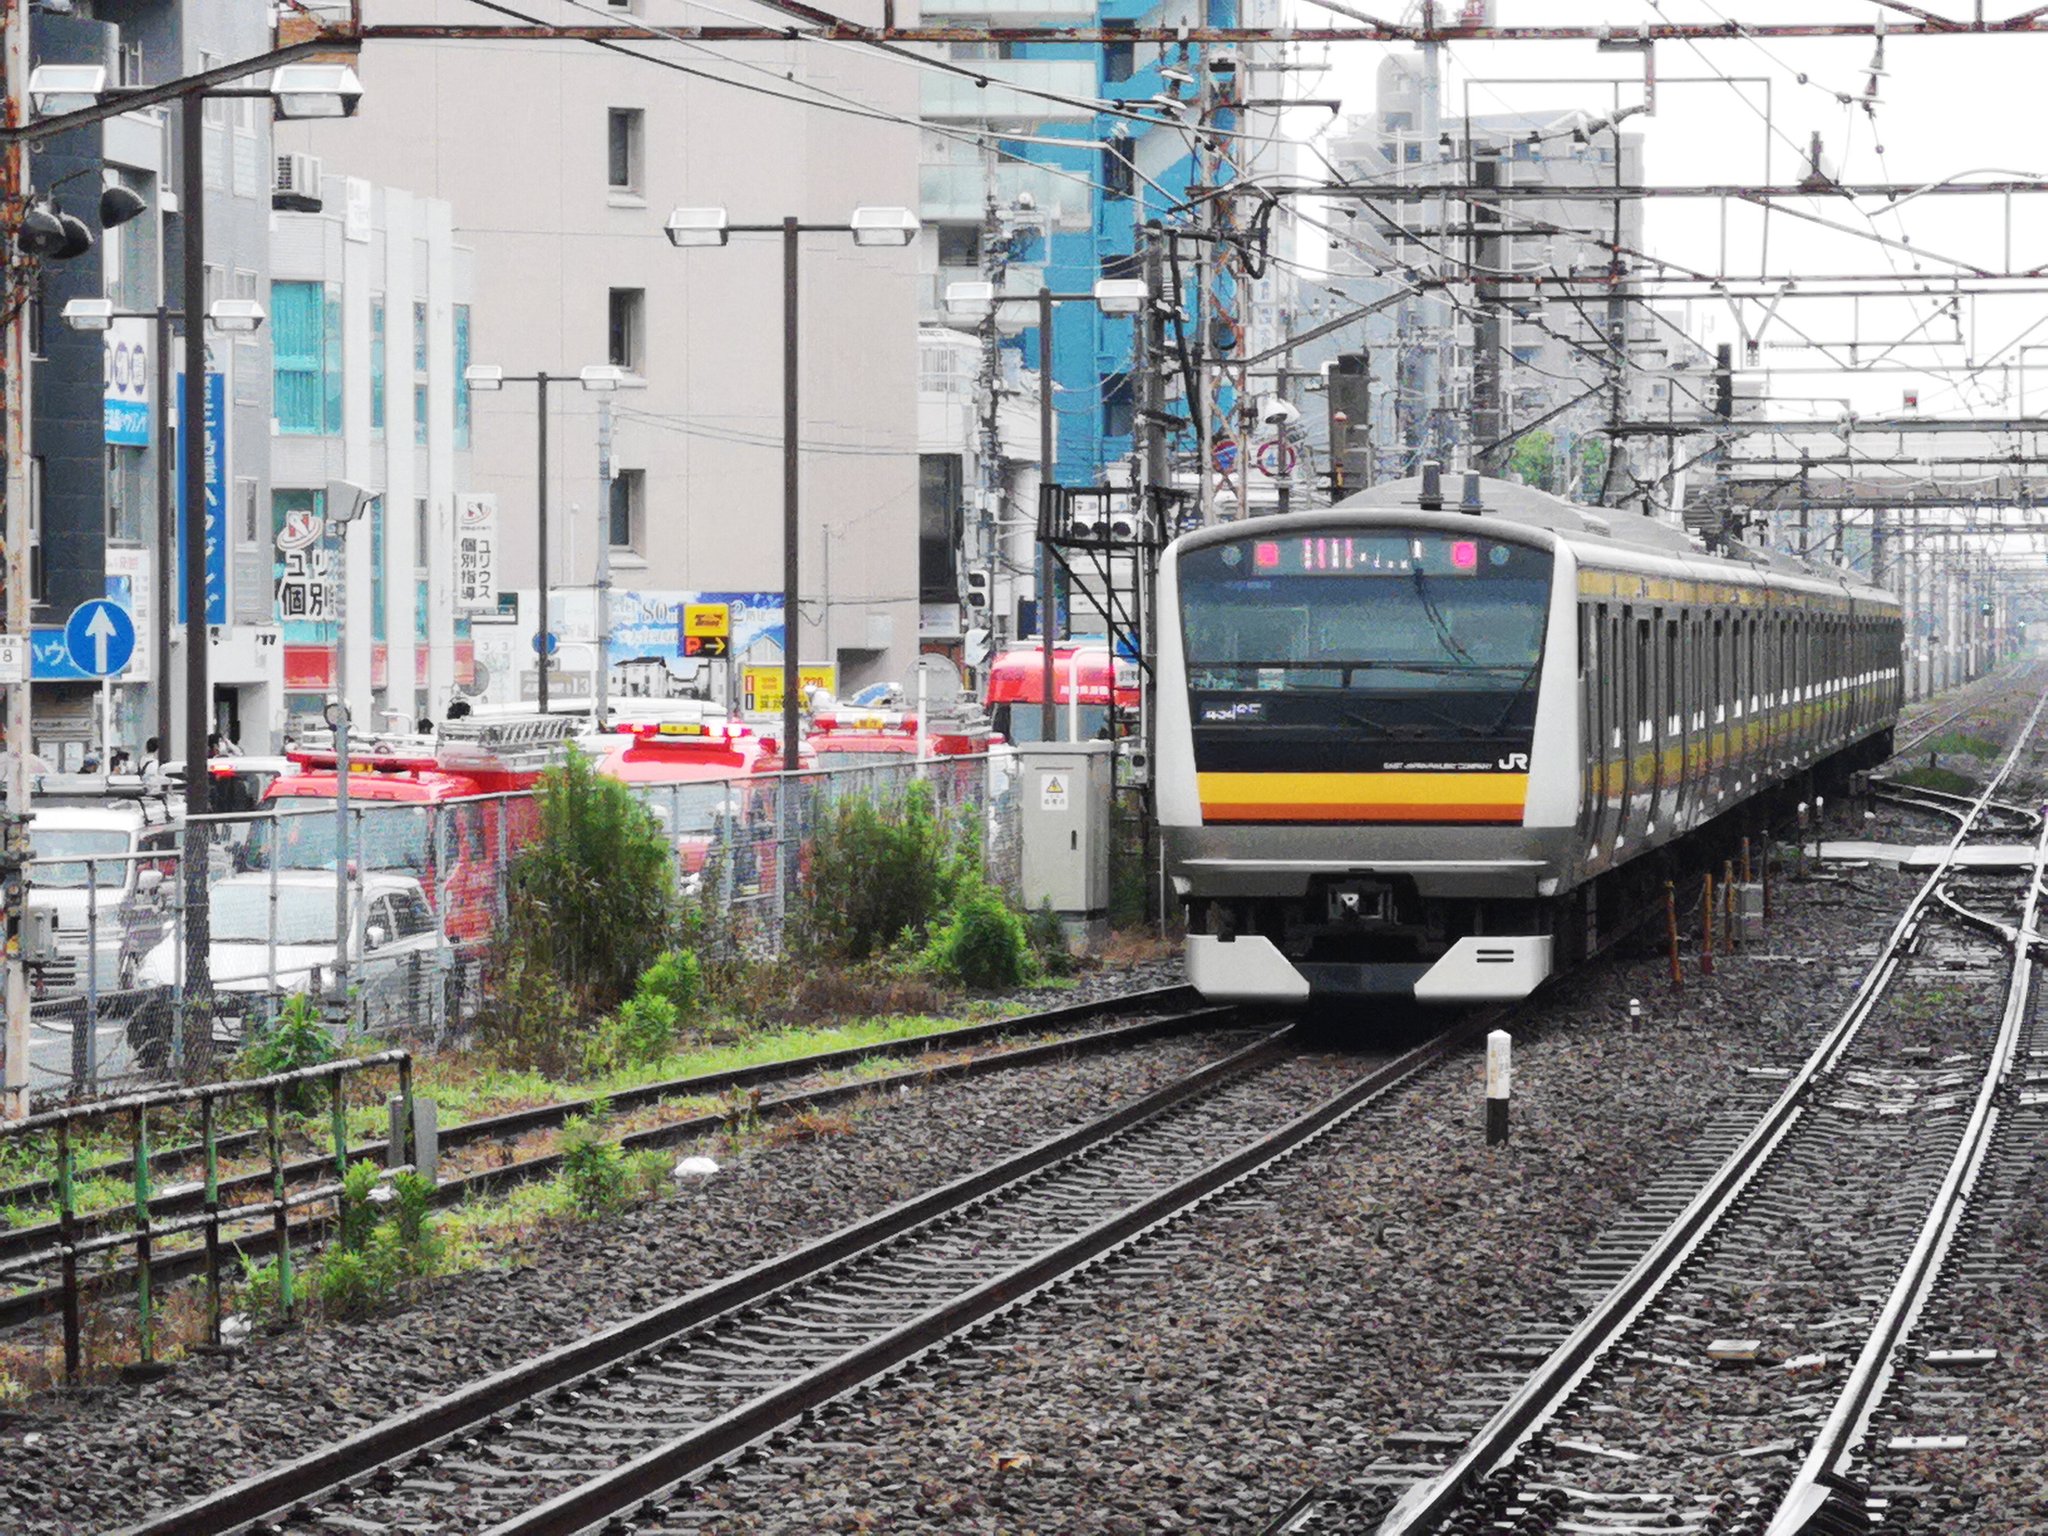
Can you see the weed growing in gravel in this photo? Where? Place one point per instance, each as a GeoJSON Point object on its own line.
{"type": "Point", "coordinates": [593, 1169]}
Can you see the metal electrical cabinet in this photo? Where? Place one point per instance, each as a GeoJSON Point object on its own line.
{"type": "Point", "coordinates": [1067, 790]}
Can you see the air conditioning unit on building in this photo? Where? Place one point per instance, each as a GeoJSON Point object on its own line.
{"type": "Point", "coordinates": [298, 183]}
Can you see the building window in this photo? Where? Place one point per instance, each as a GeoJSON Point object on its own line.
{"type": "Point", "coordinates": [462, 376]}
{"type": "Point", "coordinates": [939, 484]}
{"type": "Point", "coordinates": [629, 497]}
{"type": "Point", "coordinates": [305, 324]}
{"type": "Point", "coordinates": [960, 245]}
{"type": "Point", "coordinates": [377, 364]}
{"type": "Point", "coordinates": [246, 533]}
{"type": "Point", "coordinates": [627, 319]}
{"type": "Point", "coordinates": [419, 375]}
{"type": "Point", "coordinates": [1119, 60]}
{"type": "Point", "coordinates": [622, 170]}
{"type": "Point", "coordinates": [378, 627]}
{"type": "Point", "coordinates": [1117, 405]}
{"type": "Point", "coordinates": [422, 536]}
{"type": "Point", "coordinates": [1412, 154]}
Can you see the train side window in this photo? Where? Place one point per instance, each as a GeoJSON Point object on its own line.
{"type": "Point", "coordinates": [1720, 692]}
{"type": "Point", "coordinates": [1646, 713]}
{"type": "Point", "coordinates": [1674, 703]}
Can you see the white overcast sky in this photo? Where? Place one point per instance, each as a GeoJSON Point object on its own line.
{"type": "Point", "coordinates": [1948, 107]}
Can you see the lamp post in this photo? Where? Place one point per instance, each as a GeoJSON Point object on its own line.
{"type": "Point", "coordinates": [1122, 297]}
{"type": "Point", "coordinates": [228, 315]}
{"type": "Point", "coordinates": [598, 378]}
{"type": "Point", "coordinates": [689, 228]}
{"type": "Point", "coordinates": [298, 91]}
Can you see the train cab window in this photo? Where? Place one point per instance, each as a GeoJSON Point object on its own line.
{"type": "Point", "coordinates": [1411, 633]}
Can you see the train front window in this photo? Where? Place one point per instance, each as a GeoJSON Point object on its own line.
{"type": "Point", "coordinates": [1392, 630]}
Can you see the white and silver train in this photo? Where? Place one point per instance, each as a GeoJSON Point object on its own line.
{"type": "Point", "coordinates": [1431, 752]}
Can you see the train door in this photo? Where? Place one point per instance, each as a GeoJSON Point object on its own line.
{"type": "Point", "coordinates": [1592, 744]}
{"type": "Point", "coordinates": [1671, 724]}
{"type": "Point", "coordinates": [1637, 719]}
{"type": "Point", "coordinates": [1717, 711]}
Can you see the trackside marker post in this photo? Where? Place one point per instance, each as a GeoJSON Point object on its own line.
{"type": "Point", "coordinates": [1498, 1046]}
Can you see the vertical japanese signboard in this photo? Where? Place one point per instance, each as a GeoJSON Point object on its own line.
{"type": "Point", "coordinates": [216, 509]}
{"type": "Point", "coordinates": [476, 554]}
{"type": "Point", "coordinates": [127, 382]}
{"type": "Point", "coordinates": [304, 572]}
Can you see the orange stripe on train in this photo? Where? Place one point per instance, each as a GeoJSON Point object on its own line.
{"type": "Point", "coordinates": [1364, 797]}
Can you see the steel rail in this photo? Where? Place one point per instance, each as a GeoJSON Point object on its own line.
{"type": "Point", "coordinates": [21, 1241]}
{"type": "Point", "coordinates": [1547, 1387]}
{"type": "Point", "coordinates": [261, 1244]}
{"type": "Point", "coordinates": [615, 1492]}
{"type": "Point", "coordinates": [315, 1475]}
{"type": "Point", "coordinates": [1818, 1478]}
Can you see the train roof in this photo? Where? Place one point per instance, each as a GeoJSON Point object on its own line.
{"type": "Point", "coordinates": [1510, 501]}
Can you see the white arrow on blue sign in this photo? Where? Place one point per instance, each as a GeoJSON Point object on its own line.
{"type": "Point", "coordinates": [101, 637]}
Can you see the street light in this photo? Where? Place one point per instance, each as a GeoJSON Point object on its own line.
{"type": "Point", "coordinates": [594, 378]}
{"type": "Point", "coordinates": [978, 302]}
{"type": "Point", "coordinates": [315, 90]}
{"type": "Point", "coordinates": [297, 91]}
{"type": "Point", "coordinates": [233, 316]}
{"type": "Point", "coordinates": [689, 228]}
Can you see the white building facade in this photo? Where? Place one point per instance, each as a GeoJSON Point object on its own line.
{"type": "Point", "coordinates": [370, 318]}
{"type": "Point", "coordinates": [561, 163]}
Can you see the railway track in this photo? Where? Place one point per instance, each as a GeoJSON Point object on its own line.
{"type": "Point", "coordinates": [1177, 1009]}
{"type": "Point", "coordinates": [1748, 1321]}
{"type": "Point", "coordinates": [597, 1432]}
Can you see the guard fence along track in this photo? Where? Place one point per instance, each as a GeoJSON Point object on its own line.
{"type": "Point", "coordinates": [1725, 1378]}
{"type": "Point", "coordinates": [600, 1430]}
{"type": "Point", "coordinates": [24, 1249]}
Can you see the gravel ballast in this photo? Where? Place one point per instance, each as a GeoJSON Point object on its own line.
{"type": "Point", "coordinates": [1274, 1341]}
{"type": "Point", "coordinates": [104, 1457]}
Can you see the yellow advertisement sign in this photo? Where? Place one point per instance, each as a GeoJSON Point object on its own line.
{"type": "Point", "coordinates": [761, 687]}
{"type": "Point", "coordinates": [707, 621]}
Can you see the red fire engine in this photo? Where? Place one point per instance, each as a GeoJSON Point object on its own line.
{"type": "Point", "coordinates": [845, 735]}
{"type": "Point", "coordinates": [1016, 689]}
{"type": "Point", "coordinates": [455, 853]}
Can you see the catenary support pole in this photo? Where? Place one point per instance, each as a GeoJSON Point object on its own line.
{"type": "Point", "coordinates": [1048, 715]}
{"type": "Point", "coordinates": [166, 534]}
{"type": "Point", "coordinates": [792, 610]}
{"type": "Point", "coordinates": [541, 630]}
{"type": "Point", "coordinates": [196, 1027]}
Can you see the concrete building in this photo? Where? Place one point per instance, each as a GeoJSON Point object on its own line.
{"type": "Point", "coordinates": [370, 311]}
{"type": "Point", "coordinates": [1029, 182]}
{"type": "Point", "coordinates": [96, 467]}
{"type": "Point", "coordinates": [1424, 354]}
{"type": "Point", "coordinates": [560, 163]}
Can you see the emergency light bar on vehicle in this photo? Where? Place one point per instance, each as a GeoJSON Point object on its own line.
{"type": "Point", "coordinates": [493, 746]}
{"type": "Point", "coordinates": [685, 732]}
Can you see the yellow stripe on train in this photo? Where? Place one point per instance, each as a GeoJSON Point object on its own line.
{"type": "Point", "coordinates": [1414, 797]}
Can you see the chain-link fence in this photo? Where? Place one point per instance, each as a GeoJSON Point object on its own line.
{"type": "Point", "coordinates": [397, 952]}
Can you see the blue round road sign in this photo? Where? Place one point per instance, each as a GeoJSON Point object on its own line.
{"type": "Point", "coordinates": [545, 643]}
{"type": "Point", "coordinates": [101, 637]}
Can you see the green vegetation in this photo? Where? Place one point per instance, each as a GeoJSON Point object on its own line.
{"type": "Point", "coordinates": [1533, 460]}
{"type": "Point", "coordinates": [883, 873]}
{"type": "Point", "coordinates": [297, 1038]}
{"type": "Point", "coordinates": [385, 1242]}
{"type": "Point", "coordinates": [1958, 743]}
{"type": "Point", "coordinates": [1946, 780]}
{"type": "Point", "coordinates": [984, 944]}
{"type": "Point", "coordinates": [593, 1168]}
